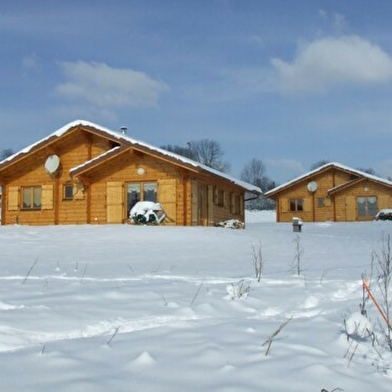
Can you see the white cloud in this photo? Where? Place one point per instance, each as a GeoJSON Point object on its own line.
{"type": "Point", "coordinates": [326, 62]}
{"type": "Point", "coordinates": [106, 87]}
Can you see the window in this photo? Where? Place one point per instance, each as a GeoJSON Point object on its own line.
{"type": "Point", "coordinates": [68, 192]}
{"type": "Point", "coordinates": [31, 198]}
{"type": "Point", "coordinates": [320, 202]}
{"type": "Point", "coordinates": [141, 191]}
{"type": "Point", "coordinates": [367, 207]}
{"type": "Point", "coordinates": [219, 197]}
{"type": "Point", "coordinates": [150, 191]}
{"type": "Point", "coordinates": [296, 205]}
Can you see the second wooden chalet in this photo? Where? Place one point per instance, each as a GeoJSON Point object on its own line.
{"type": "Point", "coordinates": [332, 192]}
{"type": "Point", "coordinates": [85, 173]}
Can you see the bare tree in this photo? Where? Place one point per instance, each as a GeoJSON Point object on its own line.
{"type": "Point", "coordinates": [368, 170]}
{"type": "Point", "coordinates": [254, 173]}
{"type": "Point", "coordinates": [319, 163]}
{"type": "Point", "coordinates": [205, 151]}
{"type": "Point", "coordinates": [183, 151]}
{"type": "Point", "coordinates": [7, 152]}
{"type": "Point", "coordinates": [209, 153]}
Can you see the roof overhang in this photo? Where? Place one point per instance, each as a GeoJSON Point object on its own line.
{"type": "Point", "coordinates": [357, 175]}
{"type": "Point", "coordinates": [121, 145]}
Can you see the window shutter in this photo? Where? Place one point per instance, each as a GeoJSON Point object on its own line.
{"type": "Point", "coordinates": [167, 197]}
{"type": "Point", "coordinates": [114, 202]}
{"type": "Point", "coordinates": [13, 198]}
{"type": "Point", "coordinates": [47, 197]}
{"type": "Point", "coordinates": [351, 211]}
{"type": "Point", "coordinates": [307, 204]}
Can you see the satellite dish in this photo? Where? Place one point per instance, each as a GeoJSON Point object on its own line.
{"type": "Point", "coordinates": [52, 164]}
{"type": "Point", "coordinates": [312, 186]}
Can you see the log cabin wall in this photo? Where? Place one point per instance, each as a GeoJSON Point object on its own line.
{"type": "Point", "coordinates": [317, 206]}
{"type": "Point", "coordinates": [347, 202]}
{"type": "Point", "coordinates": [341, 195]}
{"type": "Point", "coordinates": [215, 201]}
{"type": "Point", "coordinates": [72, 151]}
{"type": "Point", "coordinates": [132, 168]}
{"type": "Point", "coordinates": [98, 195]}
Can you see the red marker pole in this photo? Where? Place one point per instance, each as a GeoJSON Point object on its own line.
{"type": "Point", "coordinates": [367, 288]}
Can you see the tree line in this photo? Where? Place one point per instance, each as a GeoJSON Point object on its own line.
{"type": "Point", "coordinates": [209, 153]}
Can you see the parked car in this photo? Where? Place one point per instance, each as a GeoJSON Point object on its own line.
{"type": "Point", "coordinates": [385, 214]}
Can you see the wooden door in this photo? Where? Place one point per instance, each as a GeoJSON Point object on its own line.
{"type": "Point", "coordinates": [114, 202]}
{"type": "Point", "coordinates": [13, 198]}
{"type": "Point", "coordinates": [351, 212]}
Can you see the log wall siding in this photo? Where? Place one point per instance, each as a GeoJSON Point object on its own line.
{"type": "Point", "coordinates": [311, 209]}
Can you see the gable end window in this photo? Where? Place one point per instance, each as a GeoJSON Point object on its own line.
{"type": "Point", "coordinates": [31, 198]}
{"type": "Point", "coordinates": [68, 190]}
{"type": "Point", "coordinates": [296, 204]}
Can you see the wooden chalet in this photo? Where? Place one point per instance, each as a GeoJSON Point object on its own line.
{"type": "Point", "coordinates": [332, 192]}
{"type": "Point", "coordinates": [87, 174]}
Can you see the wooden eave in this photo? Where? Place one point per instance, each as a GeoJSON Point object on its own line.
{"type": "Point", "coordinates": [345, 185]}
{"type": "Point", "coordinates": [44, 144]}
{"type": "Point", "coordinates": [7, 163]}
{"type": "Point", "coordinates": [99, 160]}
{"type": "Point", "coordinates": [349, 184]}
{"type": "Point", "coordinates": [307, 177]}
{"type": "Point", "coordinates": [274, 193]}
{"type": "Point", "coordinates": [166, 158]}
{"type": "Point", "coordinates": [140, 148]}
{"type": "Point", "coordinates": [121, 144]}
{"type": "Point", "coordinates": [156, 154]}
{"type": "Point", "coordinates": [105, 135]}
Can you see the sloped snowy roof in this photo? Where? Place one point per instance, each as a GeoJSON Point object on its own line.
{"type": "Point", "coordinates": [128, 140]}
{"type": "Point", "coordinates": [322, 168]}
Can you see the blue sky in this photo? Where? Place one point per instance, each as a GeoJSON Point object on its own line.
{"type": "Point", "coordinates": [288, 82]}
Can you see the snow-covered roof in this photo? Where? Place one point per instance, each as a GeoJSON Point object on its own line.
{"type": "Point", "coordinates": [128, 140]}
{"type": "Point", "coordinates": [322, 168]}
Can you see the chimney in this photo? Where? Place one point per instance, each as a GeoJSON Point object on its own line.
{"type": "Point", "coordinates": [124, 130]}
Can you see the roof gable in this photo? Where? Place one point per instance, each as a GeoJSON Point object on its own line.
{"type": "Point", "coordinates": [123, 141]}
{"type": "Point", "coordinates": [357, 176]}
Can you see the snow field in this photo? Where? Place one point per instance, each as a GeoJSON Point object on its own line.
{"type": "Point", "coordinates": [125, 308]}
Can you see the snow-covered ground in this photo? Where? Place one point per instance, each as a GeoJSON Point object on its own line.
{"type": "Point", "coordinates": [143, 308]}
